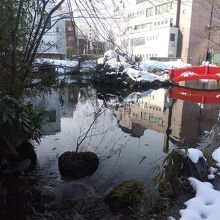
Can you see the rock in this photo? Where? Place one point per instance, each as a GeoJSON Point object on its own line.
{"type": "Point", "coordinates": [77, 165]}
{"type": "Point", "coordinates": [126, 194]}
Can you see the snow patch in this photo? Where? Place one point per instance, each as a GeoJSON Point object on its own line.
{"type": "Point", "coordinates": [63, 63]}
{"type": "Point", "coordinates": [216, 156]}
{"type": "Point", "coordinates": [193, 154]}
{"type": "Point", "coordinates": [137, 75]}
{"type": "Point", "coordinates": [205, 204]}
{"type": "Point", "coordinates": [212, 171]}
{"type": "Point", "coordinates": [153, 64]}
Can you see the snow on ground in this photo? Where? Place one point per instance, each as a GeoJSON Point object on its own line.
{"type": "Point", "coordinates": [205, 204]}
{"type": "Point", "coordinates": [62, 63]}
{"type": "Point", "coordinates": [153, 64]}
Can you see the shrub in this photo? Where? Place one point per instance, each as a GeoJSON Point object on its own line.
{"type": "Point", "coordinates": [19, 122]}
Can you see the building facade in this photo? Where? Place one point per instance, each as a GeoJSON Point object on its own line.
{"type": "Point", "coordinates": [169, 28]}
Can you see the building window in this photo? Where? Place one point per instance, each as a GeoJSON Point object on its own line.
{"type": "Point", "coordinates": [149, 12]}
{"type": "Point", "coordinates": [140, 1]}
{"type": "Point", "coordinates": [143, 26]}
{"type": "Point", "coordinates": [172, 37]}
{"type": "Point", "coordinates": [138, 41]}
{"type": "Point", "coordinates": [163, 8]}
{"type": "Point", "coordinates": [171, 22]}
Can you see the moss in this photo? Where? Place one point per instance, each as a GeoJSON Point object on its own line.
{"type": "Point", "coordinates": [128, 193]}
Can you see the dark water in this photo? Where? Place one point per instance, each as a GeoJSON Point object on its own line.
{"type": "Point", "coordinates": [132, 134]}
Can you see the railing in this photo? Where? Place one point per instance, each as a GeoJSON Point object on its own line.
{"type": "Point", "coordinates": [194, 73]}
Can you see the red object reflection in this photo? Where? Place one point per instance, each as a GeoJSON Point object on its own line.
{"type": "Point", "coordinates": [194, 73]}
{"type": "Point", "coordinates": [192, 95]}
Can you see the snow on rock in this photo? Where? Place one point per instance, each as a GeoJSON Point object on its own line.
{"type": "Point", "coordinates": [212, 171]}
{"type": "Point", "coordinates": [110, 54]}
{"type": "Point", "coordinates": [137, 75]}
{"type": "Point", "coordinates": [216, 156]}
{"type": "Point", "coordinates": [193, 154]}
{"type": "Point", "coordinates": [111, 59]}
{"type": "Point", "coordinates": [205, 204]}
{"type": "Point", "coordinates": [100, 60]}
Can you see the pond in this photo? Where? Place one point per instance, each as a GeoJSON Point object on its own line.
{"type": "Point", "coordinates": [131, 135]}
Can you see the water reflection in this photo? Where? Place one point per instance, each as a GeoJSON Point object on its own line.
{"type": "Point", "coordinates": [181, 121]}
{"type": "Point", "coordinates": [130, 137]}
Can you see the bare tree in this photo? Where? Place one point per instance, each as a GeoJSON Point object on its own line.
{"type": "Point", "coordinates": [23, 25]}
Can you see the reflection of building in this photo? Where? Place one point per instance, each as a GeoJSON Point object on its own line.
{"type": "Point", "coordinates": [70, 100]}
{"type": "Point", "coordinates": [189, 120]}
{"type": "Point", "coordinates": [181, 122]}
{"type": "Point", "coordinates": [147, 113]}
{"type": "Point", "coordinates": [56, 107]}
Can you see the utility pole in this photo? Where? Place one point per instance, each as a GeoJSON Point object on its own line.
{"type": "Point", "coordinates": [208, 54]}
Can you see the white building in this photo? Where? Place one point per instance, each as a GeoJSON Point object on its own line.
{"type": "Point", "coordinates": [149, 29]}
{"type": "Point", "coordinates": [53, 43]}
{"type": "Point", "coordinates": [169, 28]}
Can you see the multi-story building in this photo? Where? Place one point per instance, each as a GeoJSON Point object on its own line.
{"type": "Point", "coordinates": [169, 28]}
{"type": "Point", "coordinates": [64, 38]}
{"type": "Point", "coordinates": [150, 29]}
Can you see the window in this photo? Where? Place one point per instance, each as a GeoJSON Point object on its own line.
{"type": "Point", "coordinates": [172, 37]}
{"type": "Point", "coordinates": [138, 41]}
{"type": "Point", "coordinates": [149, 12]}
{"type": "Point", "coordinates": [140, 1]}
{"type": "Point", "coordinates": [171, 22]}
{"type": "Point", "coordinates": [143, 26]}
{"type": "Point", "coordinates": [163, 8]}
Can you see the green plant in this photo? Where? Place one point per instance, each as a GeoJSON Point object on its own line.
{"type": "Point", "coordinates": [173, 178]}
{"type": "Point", "coordinates": [19, 122]}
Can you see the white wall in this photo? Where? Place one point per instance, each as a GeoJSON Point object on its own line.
{"type": "Point", "coordinates": [156, 31]}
